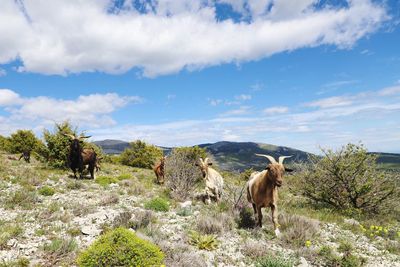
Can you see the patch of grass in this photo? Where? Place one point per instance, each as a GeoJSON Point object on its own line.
{"type": "Point", "coordinates": [275, 261]}
{"type": "Point", "coordinates": [74, 185]}
{"type": "Point", "coordinates": [106, 180]}
{"type": "Point", "coordinates": [254, 249]}
{"type": "Point", "coordinates": [204, 242]}
{"type": "Point", "coordinates": [328, 256]}
{"type": "Point", "coordinates": [157, 204]}
{"type": "Point", "coordinates": [142, 219]}
{"type": "Point", "coordinates": [21, 262]}
{"type": "Point", "coordinates": [74, 231]}
{"type": "Point", "coordinates": [9, 230]}
{"type": "Point", "coordinates": [60, 247]}
{"type": "Point", "coordinates": [47, 191]}
{"type": "Point", "coordinates": [22, 198]}
{"type": "Point", "coordinates": [184, 212]}
{"type": "Point", "coordinates": [124, 176]}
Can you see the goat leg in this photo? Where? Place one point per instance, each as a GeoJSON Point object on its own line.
{"type": "Point", "coordinates": [259, 213]}
{"type": "Point", "coordinates": [274, 212]}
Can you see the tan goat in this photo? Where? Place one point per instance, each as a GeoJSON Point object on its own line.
{"type": "Point", "coordinates": [214, 180]}
{"type": "Point", "coordinates": [262, 189]}
{"type": "Point", "coordinates": [159, 170]}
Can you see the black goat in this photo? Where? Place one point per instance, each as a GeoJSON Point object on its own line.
{"type": "Point", "coordinates": [78, 157]}
{"type": "Point", "coordinates": [26, 154]}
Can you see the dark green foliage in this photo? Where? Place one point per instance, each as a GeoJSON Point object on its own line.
{"type": "Point", "coordinates": [120, 247]}
{"type": "Point", "coordinates": [157, 204]}
{"type": "Point", "coordinates": [246, 218]}
{"type": "Point", "coordinates": [57, 145]}
{"type": "Point", "coordinates": [192, 153]}
{"type": "Point", "coordinates": [22, 140]}
{"type": "Point", "coordinates": [348, 179]}
{"type": "Point", "coordinates": [3, 143]}
{"type": "Point", "coordinates": [140, 155]}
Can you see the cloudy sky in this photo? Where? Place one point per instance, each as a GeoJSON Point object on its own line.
{"type": "Point", "coordinates": [305, 73]}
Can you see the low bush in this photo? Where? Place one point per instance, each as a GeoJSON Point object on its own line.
{"type": "Point", "coordinates": [140, 155]}
{"type": "Point", "coordinates": [106, 180]}
{"type": "Point", "coordinates": [275, 261]}
{"type": "Point", "coordinates": [120, 247]}
{"type": "Point", "coordinates": [297, 230]}
{"type": "Point", "coordinates": [47, 191]}
{"type": "Point", "coordinates": [157, 204]}
{"type": "Point", "coordinates": [204, 242]}
{"type": "Point", "coordinates": [60, 247]}
{"type": "Point", "coordinates": [22, 198]}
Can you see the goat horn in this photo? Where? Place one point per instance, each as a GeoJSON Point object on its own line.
{"type": "Point", "coordinates": [282, 158]}
{"type": "Point", "coordinates": [206, 161]}
{"type": "Point", "coordinates": [83, 136]}
{"type": "Point", "coordinates": [69, 135]}
{"type": "Point", "coordinates": [271, 158]}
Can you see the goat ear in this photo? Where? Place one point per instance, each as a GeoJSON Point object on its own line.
{"type": "Point", "coordinates": [288, 170]}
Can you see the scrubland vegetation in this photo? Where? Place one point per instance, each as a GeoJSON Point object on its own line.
{"type": "Point", "coordinates": [337, 210]}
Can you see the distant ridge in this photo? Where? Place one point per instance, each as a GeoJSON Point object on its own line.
{"type": "Point", "coordinates": [239, 156]}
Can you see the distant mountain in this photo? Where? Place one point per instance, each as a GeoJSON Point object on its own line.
{"type": "Point", "coordinates": [238, 156]}
{"type": "Point", "coordinates": [112, 146]}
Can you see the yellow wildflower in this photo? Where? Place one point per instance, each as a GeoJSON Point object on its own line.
{"type": "Point", "coordinates": [308, 243]}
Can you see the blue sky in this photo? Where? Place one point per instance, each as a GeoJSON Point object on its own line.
{"type": "Point", "coordinates": [306, 75]}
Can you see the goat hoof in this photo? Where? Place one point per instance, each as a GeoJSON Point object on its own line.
{"type": "Point", "coordinates": [278, 233]}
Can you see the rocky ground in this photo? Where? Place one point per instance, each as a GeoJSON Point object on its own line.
{"type": "Point", "coordinates": [49, 228]}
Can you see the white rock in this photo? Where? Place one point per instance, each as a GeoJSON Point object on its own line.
{"type": "Point", "coordinates": [90, 230]}
{"type": "Point", "coordinates": [303, 263]}
{"type": "Point", "coordinates": [186, 204]}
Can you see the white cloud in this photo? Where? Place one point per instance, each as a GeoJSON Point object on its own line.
{"type": "Point", "coordinates": [243, 97]}
{"type": "Point", "coordinates": [276, 110]}
{"type": "Point", "coordinates": [9, 98]}
{"type": "Point", "coordinates": [242, 110]}
{"type": "Point", "coordinates": [3, 72]}
{"type": "Point", "coordinates": [87, 110]}
{"type": "Point", "coordinates": [390, 91]}
{"type": "Point", "coordinates": [335, 101]}
{"type": "Point", "coordinates": [61, 37]}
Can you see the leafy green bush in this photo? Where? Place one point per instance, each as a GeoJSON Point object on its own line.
{"type": "Point", "coordinates": [47, 191]}
{"type": "Point", "coordinates": [56, 148]}
{"type": "Point", "coordinates": [120, 247]}
{"type": "Point", "coordinates": [23, 140]}
{"type": "Point", "coordinates": [3, 143]}
{"type": "Point", "coordinates": [140, 155]}
{"type": "Point", "coordinates": [157, 204]}
{"type": "Point", "coordinates": [348, 179]}
{"type": "Point", "coordinates": [205, 242]}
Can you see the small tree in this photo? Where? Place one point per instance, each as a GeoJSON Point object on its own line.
{"type": "Point", "coordinates": [180, 171]}
{"type": "Point", "coordinates": [3, 143]}
{"type": "Point", "coordinates": [23, 140]}
{"type": "Point", "coordinates": [349, 179]}
{"type": "Point", "coordinates": [56, 148]}
{"type": "Point", "coordinates": [140, 155]}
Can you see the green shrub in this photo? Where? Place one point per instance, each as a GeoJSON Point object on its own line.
{"type": "Point", "coordinates": [329, 257]}
{"type": "Point", "coordinates": [350, 261]}
{"type": "Point", "coordinates": [120, 247]}
{"type": "Point", "coordinates": [348, 179]}
{"type": "Point", "coordinates": [157, 204]}
{"type": "Point", "coordinates": [106, 180]}
{"type": "Point", "coordinates": [141, 155]}
{"type": "Point", "coordinates": [23, 140]}
{"type": "Point", "coordinates": [275, 261]}
{"type": "Point", "coordinates": [47, 191]}
{"type": "Point", "coordinates": [246, 218]}
{"type": "Point", "coordinates": [204, 242]}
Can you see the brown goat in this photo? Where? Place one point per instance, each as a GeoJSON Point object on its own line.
{"type": "Point", "coordinates": [262, 189]}
{"type": "Point", "coordinates": [159, 170]}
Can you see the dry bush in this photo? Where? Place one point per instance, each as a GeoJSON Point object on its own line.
{"type": "Point", "coordinates": [123, 220]}
{"type": "Point", "coordinates": [254, 249]}
{"type": "Point", "coordinates": [214, 223]}
{"type": "Point", "coordinates": [142, 218]}
{"type": "Point", "coordinates": [296, 230]}
{"type": "Point", "coordinates": [181, 174]}
{"type": "Point", "coordinates": [180, 255]}
{"type": "Point", "coordinates": [109, 200]}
